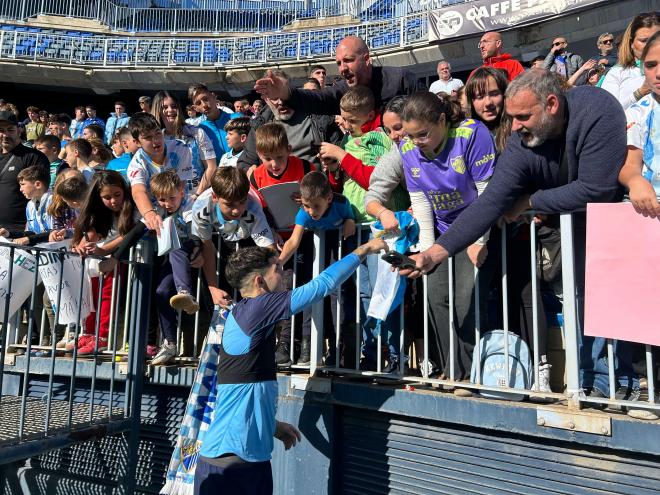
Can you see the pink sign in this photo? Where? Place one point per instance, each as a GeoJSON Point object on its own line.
{"type": "Point", "coordinates": [622, 293]}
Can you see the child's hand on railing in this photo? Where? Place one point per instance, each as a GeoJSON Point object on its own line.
{"type": "Point", "coordinates": [348, 229]}
{"type": "Point", "coordinates": [57, 235]}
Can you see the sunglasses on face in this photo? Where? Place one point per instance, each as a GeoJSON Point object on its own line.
{"type": "Point", "coordinates": [557, 43]}
{"type": "Point", "coordinates": [607, 42]}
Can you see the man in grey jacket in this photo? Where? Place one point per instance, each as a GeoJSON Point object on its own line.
{"type": "Point", "coordinates": [561, 61]}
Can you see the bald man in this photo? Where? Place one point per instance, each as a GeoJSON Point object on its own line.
{"type": "Point", "coordinates": [355, 68]}
{"type": "Point", "coordinates": [490, 47]}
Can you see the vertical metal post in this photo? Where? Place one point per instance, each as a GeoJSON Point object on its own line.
{"type": "Point", "coordinates": [452, 338]}
{"type": "Point", "coordinates": [136, 368]}
{"type": "Point", "coordinates": [317, 309]}
{"type": "Point", "coordinates": [505, 307]}
{"type": "Point", "coordinates": [610, 368]}
{"type": "Point", "coordinates": [198, 293]}
{"type": "Point", "coordinates": [650, 374]}
{"type": "Point", "coordinates": [5, 320]}
{"type": "Point", "coordinates": [535, 309]}
{"type": "Point", "coordinates": [72, 386]}
{"type": "Point", "coordinates": [115, 335]}
{"type": "Point", "coordinates": [573, 389]}
{"type": "Point", "coordinates": [293, 317]}
{"type": "Point", "coordinates": [53, 344]}
{"type": "Point", "coordinates": [358, 306]}
{"type": "Point", "coordinates": [477, 319]}
{"type": "Point", "coordinates": [30, 330]}
{"type": "Point", "coordinates": [127, 308]}
{"type": "Point", "coordinates": [425, 282]}
{"type": "Point", "coordinates": [97, 333]}
{"type": "Point", "coordinates": [339, 300]}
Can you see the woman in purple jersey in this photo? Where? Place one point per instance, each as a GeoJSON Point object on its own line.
{"type": "Point", "coordinates": [445, 162]}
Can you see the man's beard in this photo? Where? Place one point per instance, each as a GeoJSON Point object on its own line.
{"type": "Point", "coordinates": [540, 135]}
{"type": "Point", "coordinates": [282, 117]}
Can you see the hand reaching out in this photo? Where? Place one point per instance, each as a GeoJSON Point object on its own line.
{"type": "Point", "coordinates": [287, 434]}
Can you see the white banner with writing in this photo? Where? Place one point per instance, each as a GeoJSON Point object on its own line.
{"type": "Point", "coordinates": [22, 277]}
{"type": "Point", "coordinates": [49, 269]}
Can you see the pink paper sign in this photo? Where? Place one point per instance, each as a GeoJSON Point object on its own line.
{"type": "Point", "coordinates": [622, 291]}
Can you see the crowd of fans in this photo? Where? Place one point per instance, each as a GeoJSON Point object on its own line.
{"type": "Point", "coordinates": [551, 138]}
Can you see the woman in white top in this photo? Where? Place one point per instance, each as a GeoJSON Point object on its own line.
{"type": "Point", "coordinates": [626, 79]}
{"type": "Point", "coordinates": [167, 110]}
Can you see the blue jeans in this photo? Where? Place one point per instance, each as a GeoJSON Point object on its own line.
{"type": "Point", "coordinates": [173, 276]}
{"type": "Point", "coordinates": [390, 330]}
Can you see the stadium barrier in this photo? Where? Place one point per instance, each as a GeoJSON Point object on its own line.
{"type": "Point", "coordinates": [51, 398]}
{"type": "Point", "coordinates": [211, 16]}
{"type": "Point", "coordinates": [112, 378]}
{"type": "Point", "coordinates": [96, 51]}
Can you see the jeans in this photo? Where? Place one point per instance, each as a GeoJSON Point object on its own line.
{"type": "Point", "coordinates": [172, 276]}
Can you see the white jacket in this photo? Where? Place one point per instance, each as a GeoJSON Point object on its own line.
{"type": "Point", "coordinates": [622, 82]}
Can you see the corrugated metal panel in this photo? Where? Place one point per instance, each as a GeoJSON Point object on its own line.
{"type": "Point", "coordinates": [98, 466]}
{"type": "Point", "coordinates": [382, 454]}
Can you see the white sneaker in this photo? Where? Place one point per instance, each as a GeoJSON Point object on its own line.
{"type": "Point", "coordinates": [166, 353]}
{"type": "Point", "coordinates": [544, 378]}
{"type": "Point", "coordinates": [67, 339]}
{"type": "Point", "coordinates": [183, 301]}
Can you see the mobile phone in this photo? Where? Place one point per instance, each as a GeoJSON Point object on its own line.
{"type": "Point", "coordinates": [398, 260]}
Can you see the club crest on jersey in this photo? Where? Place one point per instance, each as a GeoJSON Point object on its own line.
{"type": "Point", "coordinates": [415, 171]}
{"type": "Point", "coordinates": [458, 164]}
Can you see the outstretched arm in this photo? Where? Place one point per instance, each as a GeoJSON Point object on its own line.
{"type": "Point", "coordinates": [332, 277]}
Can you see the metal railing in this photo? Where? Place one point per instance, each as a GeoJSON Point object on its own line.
{"type": "Point", "coordinates": [102, 52]}
{"type": "Point", "coordinates": [46, 300]}
{"type": "Point", "coordinates": [112, 387]}
{"type": "Point", "coordinates": [213, 16]}
{"type": "Point", "coordinates": [565, 353]}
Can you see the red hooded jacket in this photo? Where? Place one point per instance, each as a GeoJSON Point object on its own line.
{"type": "Point", "coordinates": [504, 62]}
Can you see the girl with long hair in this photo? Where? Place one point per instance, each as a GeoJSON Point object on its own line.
{"type": "Point", "coordinates": [167, 110]}
{"type": "Point", "coordinates": [107, 214]}
{"type": "Point", "coordinates": [445, 162]}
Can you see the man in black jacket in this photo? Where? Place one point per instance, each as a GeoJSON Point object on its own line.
{"type": "Point", "coordinates": [566, 151]}
{"type": "Point", "coordinates": [303, 129]}
{"type": "Point", "coordinates": [15, 157]}
{"type": "Point", "coordinates": [356, 69]}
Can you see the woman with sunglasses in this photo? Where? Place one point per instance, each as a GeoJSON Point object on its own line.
{"type": "Point", "coordinates": [445, 162]}
{"type": "Point", "coordinates": [626, 79]}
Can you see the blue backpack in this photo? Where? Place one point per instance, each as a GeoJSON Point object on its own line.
{"type": "Point", "coordinates": [490, 353]}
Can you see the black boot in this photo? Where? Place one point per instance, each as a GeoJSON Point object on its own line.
{"type": "Point", "coordinates": [282, 354]}
{"type": "Point", "coordinates": [304, 358]}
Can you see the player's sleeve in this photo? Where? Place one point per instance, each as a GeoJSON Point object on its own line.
{"type": "Point", "coordinates": [332, 277]}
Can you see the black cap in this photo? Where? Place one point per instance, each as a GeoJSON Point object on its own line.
{"type": "Point", "coordinates": [7, 116]}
